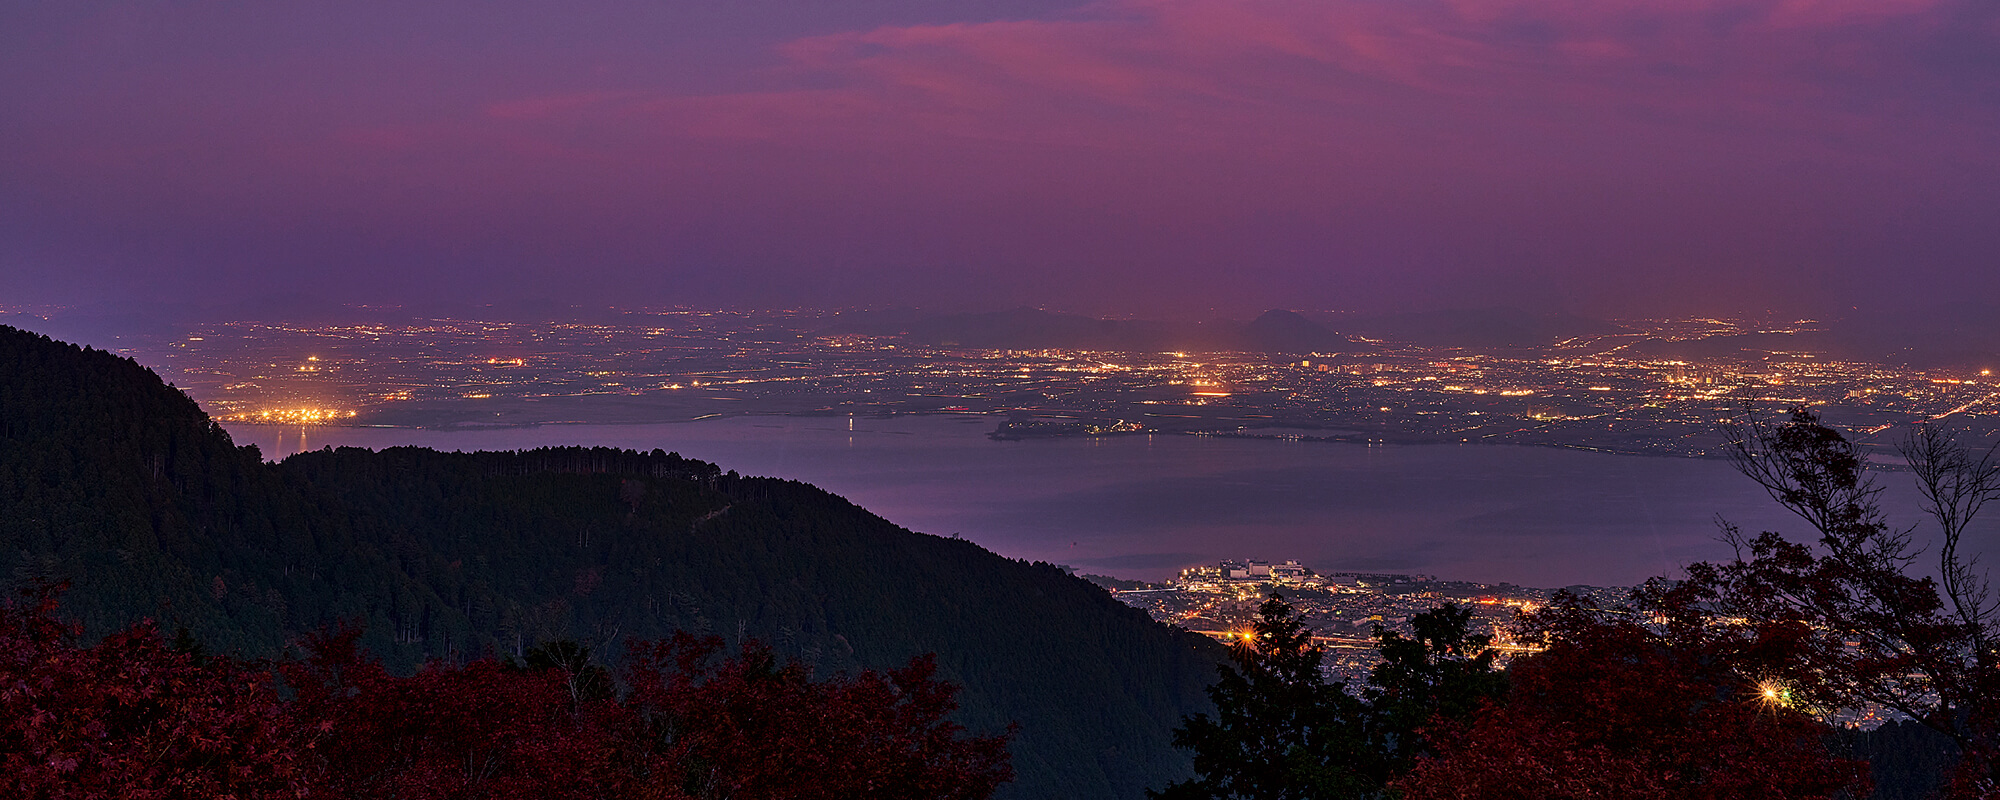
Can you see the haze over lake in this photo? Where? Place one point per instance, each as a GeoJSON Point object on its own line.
{"type": "Point", "coordinates": [1145, 506]}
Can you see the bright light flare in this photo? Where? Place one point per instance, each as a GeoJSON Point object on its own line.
{"type": "Point", "coordinates": [1773, 693]}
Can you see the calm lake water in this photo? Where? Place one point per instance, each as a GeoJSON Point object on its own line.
{"type": "Point", "coordinates": [1145, 506]}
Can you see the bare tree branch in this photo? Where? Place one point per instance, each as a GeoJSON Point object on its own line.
{"type": "Point", "coordinates": [1955, 486]}
{"type": "Point", "coordinates": [1846, 618]}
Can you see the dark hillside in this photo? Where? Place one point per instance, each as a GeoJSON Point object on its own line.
{"type": "Point", "coordinates": [116, 482]}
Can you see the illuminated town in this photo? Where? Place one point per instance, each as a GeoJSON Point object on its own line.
{"type": "Point", "coordinates": [1616, 393]}
{"type": "Point", "coordinates": [1343, 608]}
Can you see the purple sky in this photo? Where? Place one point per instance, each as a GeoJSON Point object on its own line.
{"type": "Point", "coordinates": [1130, 156]}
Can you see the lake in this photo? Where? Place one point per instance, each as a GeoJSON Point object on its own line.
{"type": "Point", "coordinates": [1145, 506]}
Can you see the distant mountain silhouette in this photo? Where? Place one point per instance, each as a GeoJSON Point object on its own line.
{"type": "Point", "coordinates": [1477, 328]}
{"type": "Point", "coordinates": [1035, 329]}
{"type": "Point", "coordinates": [1746, 345]}
{"type": "Point", "coordinates": [1960, 336]}
{"type": "Point", "coordinates": [1278, 331]}
{"type": "Point", "coordinates": [1027, 328]}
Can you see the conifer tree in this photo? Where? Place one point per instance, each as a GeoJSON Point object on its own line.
{"type": "Point", "coordinates": [1282, 732]}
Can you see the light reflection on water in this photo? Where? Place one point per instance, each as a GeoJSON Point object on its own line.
{"type": "Point", "coordinates": [1143, 506]}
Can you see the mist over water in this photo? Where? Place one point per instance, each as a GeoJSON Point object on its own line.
{"type": "Point", "coordinates": [1146, 506]}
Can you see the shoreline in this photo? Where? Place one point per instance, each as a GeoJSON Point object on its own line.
{"type": "Point", "coordinates": [1364, 440]}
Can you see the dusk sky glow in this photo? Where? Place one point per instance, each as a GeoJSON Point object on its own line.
{"type": "Point", "coordinates": [1128, 156]}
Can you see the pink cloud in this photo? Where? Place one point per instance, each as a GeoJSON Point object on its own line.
{"type": "Point", "coordinates": [1285, 76]}
{"type": "Point", "coordinates": [1357, 87]}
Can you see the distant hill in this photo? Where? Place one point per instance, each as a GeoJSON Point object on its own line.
{"type": "Point", "coordinates": [119, 484]}
{"type": "Point", "coordinates": [1954, 336]}
{"type": "Point", "coordinates": [1478, 328]}
{"type": "Point", "coordinates": [1035, 329]}
{"type": "Point", "coordinates": [1275, 331]}
{"type": "Point", "coordinates": [1279, 331]}
{"type": "Point", "coordinates": [1746, 345]}
{"type": "Point", "coordinates": [1960, 335]}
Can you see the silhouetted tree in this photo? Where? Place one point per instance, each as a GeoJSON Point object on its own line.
{"type": "Point", "coordinates": [584, 679]}
{"type": "Point", "coordinates": [1281, 731]}
{"type": "Point", "coordinates": [1842, 621]}
{"type": "Point", "coordinates": [1442, 671]}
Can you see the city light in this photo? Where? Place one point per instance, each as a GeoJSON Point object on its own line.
{"type": "Point", "coordinates": [1599, 393]}
{"type": "Point", "coordinates": [293, 416]}
{"type": "Point", "coordinates": [1774, 694]}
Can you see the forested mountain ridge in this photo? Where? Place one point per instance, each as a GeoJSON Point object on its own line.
{"type": "Point", "coordinates": [117, 483]}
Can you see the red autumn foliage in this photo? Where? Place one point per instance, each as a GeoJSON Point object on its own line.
{"type": "Point", "coordinates": [133, 717]}
{"type": "Point", "coordinates": [481, 730]}
{"type": "Point", "coordinates": [749, 727]}
{"type": "Point", "coordinates": [1613, 710]}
